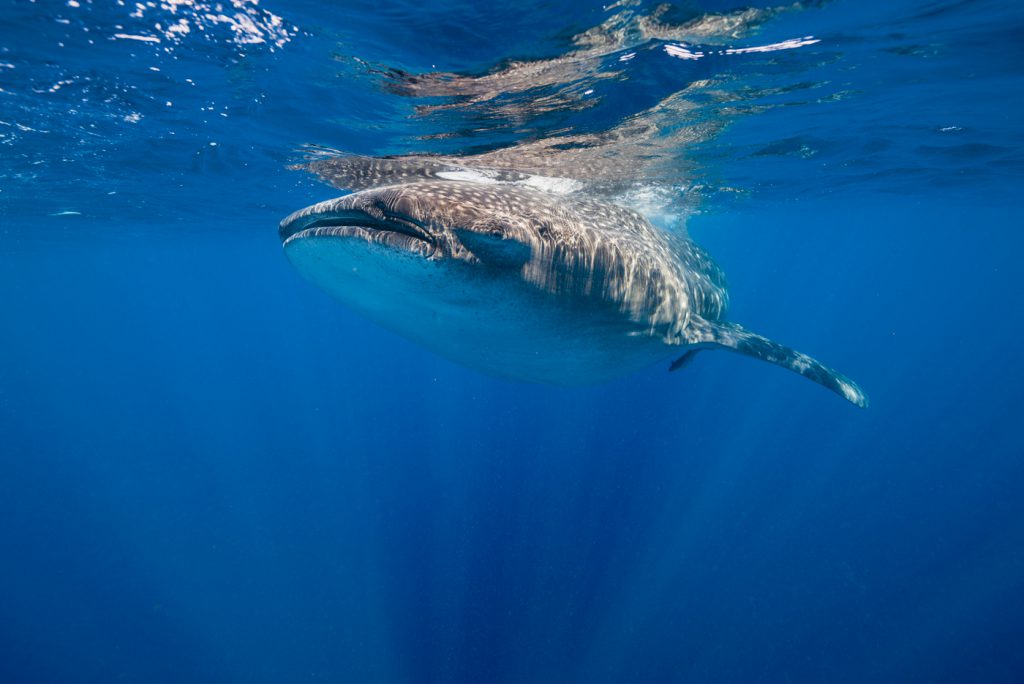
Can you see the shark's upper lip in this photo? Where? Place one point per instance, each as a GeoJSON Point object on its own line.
{"type": "Point", "coordinates": [325, 220]}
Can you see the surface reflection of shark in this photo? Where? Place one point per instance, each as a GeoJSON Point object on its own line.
{"type": "Point", "coordinates": [640, 157]}
{"type": "Point", "coordinates": [521, 88]}
{"type": "Point", "coordinates": [488, 268]}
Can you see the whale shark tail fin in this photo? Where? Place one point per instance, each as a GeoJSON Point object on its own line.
{"type": "Point", "coordinates": [736, 338]}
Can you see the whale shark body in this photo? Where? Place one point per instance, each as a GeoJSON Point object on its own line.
{"type": "Point", "coordinates": [494, 271]}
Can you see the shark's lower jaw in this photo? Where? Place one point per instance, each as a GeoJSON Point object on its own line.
{"type": "Point", "coordinates": [389, 230]}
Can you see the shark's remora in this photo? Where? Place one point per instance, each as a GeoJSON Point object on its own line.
{"type": "Point", "coordinates": [524, 283]}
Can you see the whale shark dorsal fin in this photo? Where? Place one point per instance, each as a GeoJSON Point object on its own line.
{"type": "Point", "coordinates": [718, 334]}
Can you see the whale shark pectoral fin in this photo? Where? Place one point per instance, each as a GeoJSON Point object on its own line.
{"type": "Point", "coordinates": [735, 338]}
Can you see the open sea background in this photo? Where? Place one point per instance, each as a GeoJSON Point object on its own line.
{"type": "Point", "coordinates": [211, 472]}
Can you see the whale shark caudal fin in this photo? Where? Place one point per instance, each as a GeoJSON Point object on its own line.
{"type": "Point", "coordinates": [735, 338]}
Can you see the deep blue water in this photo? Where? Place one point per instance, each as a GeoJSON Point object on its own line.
{"type": "Point", "coordinates": [212, 472]}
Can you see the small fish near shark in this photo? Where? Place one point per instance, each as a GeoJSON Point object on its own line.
{"type": "Point", "coordinates": [492, 269]}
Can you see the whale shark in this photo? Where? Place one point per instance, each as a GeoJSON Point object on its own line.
{"type": "Point", "coordinates": [495, 270]}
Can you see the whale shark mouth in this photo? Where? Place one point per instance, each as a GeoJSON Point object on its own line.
{"type": "Point", "coordinates": [390, 229]}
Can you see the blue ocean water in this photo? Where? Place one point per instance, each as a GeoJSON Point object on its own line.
{"type": "Point", "coordinates": [210, 471]}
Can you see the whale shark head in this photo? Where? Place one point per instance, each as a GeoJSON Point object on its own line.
{"type": "Point", "coordinates": [512, 280]}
